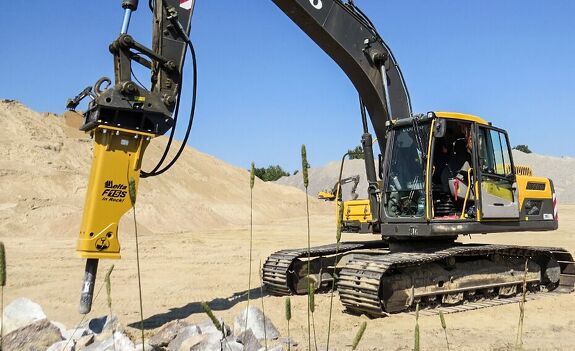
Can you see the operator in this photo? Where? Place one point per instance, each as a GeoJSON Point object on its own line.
{"type": "Point", "coordinates": [459, 160]}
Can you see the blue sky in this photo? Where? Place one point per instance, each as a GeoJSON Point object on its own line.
{"type": "Point", "coordinates": [265, 88]}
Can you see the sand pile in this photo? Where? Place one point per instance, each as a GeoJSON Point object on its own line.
{"type": "Point", "coordinates": [560, 169]}
{"type": "Point", "coordinates": [44, 165]}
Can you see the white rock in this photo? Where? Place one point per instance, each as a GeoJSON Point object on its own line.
{"type": "Point", "coordinates": [20, 313]}
{"type": "Point", "coordinates": [60, 326]}
{"type": "Point", "coordinates": [147, 347]}
{"type": "Point", "coordinates": [210, 342]}
{"type": "Point", "coordinates": [231, 345]}
{"type": "Point", "coordinates": [167, 333]}
{"type": "Point", "coordinates": [207, 326]}
{"type": "Point", "coordinates": [117, 342]}
{"type": "Point", "coordinates": [184, 334]}
{"type": "Point", "coordinates": [75, 334]}
{"type": "Point", "coordinates": [249, 340]}
{"type": "Point", "coordinates": [256, 324]}
{"type": "Point", "coordinates": [63, 345]}
{"type": "Point", "coordinates": [272, 348]}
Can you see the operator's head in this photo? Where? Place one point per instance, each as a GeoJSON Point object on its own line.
{"type": "Point", "coordinates": [466, 131]}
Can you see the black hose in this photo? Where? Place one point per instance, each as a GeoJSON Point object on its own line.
{"type": "Point", "coordinates": [152, 173]}
{"type": "Point", "coordinates": [155, 171]}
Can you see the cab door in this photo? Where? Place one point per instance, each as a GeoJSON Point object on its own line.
{"type": "Point", "coordinates": [498, 190]}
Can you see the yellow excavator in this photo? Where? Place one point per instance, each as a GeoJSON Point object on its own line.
{"type": "Point", "coordinates": [356, 213]}
{"type": "Point", "coordinates": [331, 195]}
{"type": "Point", "coordinates": [440, 175]}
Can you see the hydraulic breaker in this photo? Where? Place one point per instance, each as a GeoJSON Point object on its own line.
{"type": "Point", "coordinates": [117, 161]}
{"type": "Point", "coordinates": [123, 117]}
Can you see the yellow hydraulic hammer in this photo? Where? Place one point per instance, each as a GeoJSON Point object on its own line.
{"type": "Point", "coordinates": [117, 159]}
{"type": "Point", "coordinates": [123, 117]}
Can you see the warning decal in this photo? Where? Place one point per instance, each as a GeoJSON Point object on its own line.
{"type": "Point", "coordinates": [186, 4]}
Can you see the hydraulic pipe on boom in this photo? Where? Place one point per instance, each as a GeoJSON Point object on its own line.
{"type": "Point", "coordinates": [372, 188]}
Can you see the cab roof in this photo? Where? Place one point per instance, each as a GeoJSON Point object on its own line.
{"type": "Point", "coordinates": [461, 116]}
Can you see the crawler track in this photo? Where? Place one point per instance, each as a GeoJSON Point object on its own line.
{"type": "Point", "coordinates": [367, 281]}
{"type": "Point", "coordinates": [362, 282]}
{"type": "Point", "coordinates": [278, 270]}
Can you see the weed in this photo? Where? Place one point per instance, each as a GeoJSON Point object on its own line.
{"type": "Point", "coordinates": [358, 335]}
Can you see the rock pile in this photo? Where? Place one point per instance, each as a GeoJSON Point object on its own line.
{"type": "Point", "coordinates": [28, 329]}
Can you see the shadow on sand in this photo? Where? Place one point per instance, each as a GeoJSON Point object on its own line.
{"type": "Point", "coordinates": [217, 304]}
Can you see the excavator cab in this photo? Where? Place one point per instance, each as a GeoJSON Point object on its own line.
{"type": "Point", "coordinates": [449, 167]}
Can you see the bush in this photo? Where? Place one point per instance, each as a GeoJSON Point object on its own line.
{"type": "Point", "coordinates": [270, 173]}
{"type": "Point", "coordinates": [356, 154]}
{"type": "Point", "coordinates": [523, 148]}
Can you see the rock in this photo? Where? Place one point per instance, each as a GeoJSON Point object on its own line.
{"type": "Point", "coordinates": [116, 342]}
{"type": "Point", "coordinates": [167, 333]}
{"type": "Point", "coordinates": [99, 325]}
{"type": "Point", "coordinates": [230, 344]}
{"type": "Point", "coordinates": [20, 313]}
{"type": "Point", "coordinates": [64, 345]}
{"type": "Point", "coordinates": [210, 342]}
{"type": "Point", "coordinates": [272, 348]}
{"type": "Point", "coordinates": [60, 326]}
{"type": "Point", "coordinates": [249, 340]}
{"type": "Point", "coordinates": [75, 334]}
{"type": "Point", "coordinates": [36, 336]}
{"type": "Point", "coordinates": [84, 341]}
{"type": "Point", "coordinates": [256, 324]}
{"type": "Point", "coordinates": [288, 341]}
{"type": "Point", "coordinates": [147, 347]}
{"type": "Point", "coordinates": [191, 342]}
{"type": "Point", "coordinates": [185, 333]}
{"type": "Point", "coordinates": [207, 326]}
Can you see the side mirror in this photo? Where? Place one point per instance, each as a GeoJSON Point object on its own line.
{"type": "Point", "coordinates": [439, 128]}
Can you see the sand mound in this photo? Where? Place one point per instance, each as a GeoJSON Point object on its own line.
{"type": "Point", "coordinates": [560, 169]}
{"type": "Point", "coordinates": [44, 165]}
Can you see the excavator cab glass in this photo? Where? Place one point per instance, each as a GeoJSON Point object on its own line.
{"type": "Point", "coordinates": [405, 183]}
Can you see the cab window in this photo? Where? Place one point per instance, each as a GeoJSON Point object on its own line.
{"type": "Point", "coordinates": [494, 157]}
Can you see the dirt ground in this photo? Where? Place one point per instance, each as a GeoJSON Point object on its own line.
{"type": "Point", "coordinates": [182, 269]}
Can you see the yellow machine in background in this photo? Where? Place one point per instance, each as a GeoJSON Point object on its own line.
{"type": "Point", "coordinates": [331, 195]}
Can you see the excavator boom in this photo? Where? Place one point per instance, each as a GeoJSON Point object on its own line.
{"type": "Point", "coordinates": [348, 37]}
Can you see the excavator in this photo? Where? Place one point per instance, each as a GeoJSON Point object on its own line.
{"type": "Point", "coordinates": [331, 195]}
{"type": "Point", "coordinates": [440, 175]}
{"type": "Point", "coordinates": [356, 213]}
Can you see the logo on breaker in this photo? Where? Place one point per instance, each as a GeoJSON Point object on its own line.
{"type": "Point", "coordinates": [317, 4]}
{"type": "Point", "coordinates": [186, 4]}
{"type": "Point", "coordinates": [114, 192]}
{"type": "Point", "coordinates": [102, 244]}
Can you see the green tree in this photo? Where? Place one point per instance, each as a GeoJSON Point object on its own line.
{"type": "Point", "coordinates": [270, 173]}
{"type": "Point", "coordinates": [356, 154]}
{"type": "Point", "coordinates": [522, 148]}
